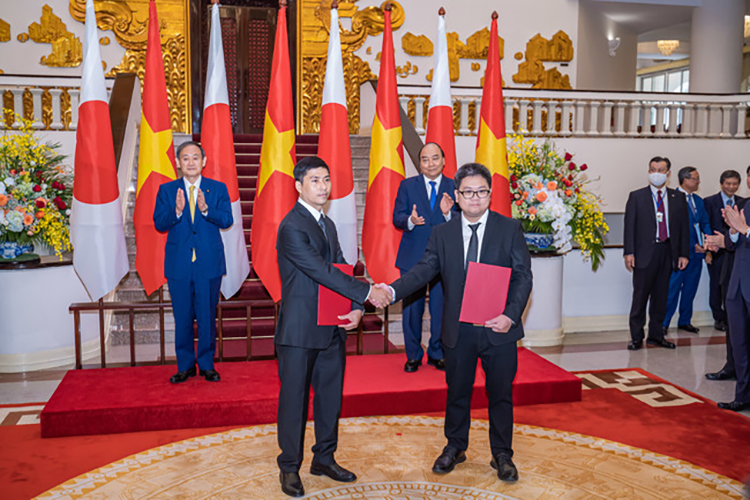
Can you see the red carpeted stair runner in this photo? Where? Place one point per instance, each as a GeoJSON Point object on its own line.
{"type": "Point", "coordinates": [113, 400]}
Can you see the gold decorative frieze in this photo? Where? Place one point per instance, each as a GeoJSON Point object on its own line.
{"type": "Point", "coordinates": [315, 20]}
{"type": "Point", "coordinates": [4, 31]}
{"type": "Point", "coordinates": [415, 45]}
{"type": "Point", "coordinates": [406, 70]}
{"type": "Point", "coordinates": [128, 21]}
{"type": "Point", "coordinates": [104, 40]}
{"type": "Point", "coordinates": [539, 50]}
{"type": "Point", "coordinates": [8, 115]}
{"type": "Point", "coordinates": [23, 37]}
{"type": "Point", "coordinates": [477, 45]}
{"type": "Point", "coordinates": [67, 50]}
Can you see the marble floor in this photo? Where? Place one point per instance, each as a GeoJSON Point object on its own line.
{"type": "Point", "coordinates": [685, 366]}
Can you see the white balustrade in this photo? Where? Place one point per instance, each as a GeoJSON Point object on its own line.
{"type": "Point", "coordinates": [620, 118]}
{"type": "Point", "coordinates": [551, 117]}
{"type": "Point", "coordinates": [634, 119]}
{"type": "Point", "coordinates": [726, 123]}
{"type": "Point", "coordinates": [673, 115]}
{"type": "Point", "coordinates": [463, 119]}
{"type": "Point", "coordinates": [607, 118]}
{"type": "Point", "coordinates": [536, 127]}
{"type": "Point", "coordinates": [419, 114]}
{"type": "Point", "coordinates": [580, 107]}
{"type": "Point", "coordinates": [741, 120]}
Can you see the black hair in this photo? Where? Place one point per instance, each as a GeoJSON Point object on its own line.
{"type": "Point", "coordinates": [471, 169]}
{"type": "Point", "coordinates": [442, 154]}
{"type": "Point", "coordinates": [685, 173]}
{"type": "Point", "coordinates": [306, 164]}
{"type": "Point", "coordinates": [659, 159]}
{"type": "Point", "coordinates": [189, 143]}
{"type": "Point", "coordinates": [729, 174]}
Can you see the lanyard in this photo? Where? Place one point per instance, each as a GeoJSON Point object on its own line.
{"type": "Point", "coordinates": [658, 203]}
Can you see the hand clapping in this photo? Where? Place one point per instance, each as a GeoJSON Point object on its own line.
{"type": "Point", "coordinates": [180, 201]}
{"type": "Point", "coordinates": [201, 202]}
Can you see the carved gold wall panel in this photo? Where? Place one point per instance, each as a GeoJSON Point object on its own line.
{"type": "Point", "coordinates": [416, 45]}
{"type": "Point", "coordinates": [67, 50]}
{"type": "Point", "coordinates": [315, 20]}
{"type": "Point", "coordinates": [128, 21]}
{"type": "Point", "coordinates": [4, 31]}
{"type": "Point", "coordinates": [539, 50]}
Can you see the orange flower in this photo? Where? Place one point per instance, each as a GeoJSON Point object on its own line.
{"type": "Point", "coordinates": [3, 200]}
{"type": "Point", "coordinates": [568, 192]}
{"type": "Point", "coordinates": [532, 210]}
{"type": "Point", "coordinates": [539, 185]}
{"type": "Point", "coordinates": [28, 220]}
{"type": "Point", "coordinates": [21, 209]}
{"type": "Point", "coordinates": [551, 185]}
{"type": "Point", "coordinates": [519, 202]}
{"type": "Point", "coordinates": [39, 214]}
{"type": "Point", "coordinates": [541, 196]}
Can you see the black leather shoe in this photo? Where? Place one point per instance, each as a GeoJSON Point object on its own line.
{"type": "Point", "coordinates": [661, 343]}
{"type": "Point", "coordinates": [634, 345]}
{"type": "Point", "coordinates": [506, 470]}
{"type": "Point", "coordinates": [291, 484]}
{"type": "Point", "coordinates": [721, 375]}
{"type": "Point", "coordinates": [412, 365]}
{"type": "Point", "coordinates": [437, 363]}
{"type": "Point", "coordinates": [334, 471]}
{"type": "Point", "coordinates": [734, 406]}
{"type": "Point", "coordinates": [181, 377]}
{"type": "Point", "coordinates": [448, 460]}
{"type": "Point", "coordinates": [211, 375]}
{"type": "Point", "coordinates": [720, 325]}
{"type": "Point", "coordinates": [688, 328]}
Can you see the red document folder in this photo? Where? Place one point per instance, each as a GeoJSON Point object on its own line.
{"type": "Point", "coordinates": [331, 305]}
{"type": "Point", "coordinates": [485, 293]}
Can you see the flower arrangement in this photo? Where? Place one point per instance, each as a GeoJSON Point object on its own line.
{"type": "Point", "coordinates": [35, 191]}
{"type": "Point", "coordinates": [549, 196]}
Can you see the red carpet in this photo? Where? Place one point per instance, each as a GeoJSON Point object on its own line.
{"type": "Point", "coordinates": [115, 400]}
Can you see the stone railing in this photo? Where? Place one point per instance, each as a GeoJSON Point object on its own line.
{"type": "Point", "coordinates": [50, 102]}
{"type": "Point", "coordinates": [594, 114]}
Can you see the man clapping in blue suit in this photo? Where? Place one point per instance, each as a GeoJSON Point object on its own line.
{"type": "Point", "coordinates": [684, 284]}
{"type": "Point", "coordinates": [422, 203]}
{"type": "Point", "coordinates": [194, 258]}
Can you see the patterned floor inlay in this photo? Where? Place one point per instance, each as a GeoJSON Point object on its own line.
{"type": "Point", "coordinates": [653, 392]}
{"type": "Point", "coordinates": [392, 457]}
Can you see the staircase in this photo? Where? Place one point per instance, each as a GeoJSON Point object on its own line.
{"type": "Point", "coordinates": [262, 313]}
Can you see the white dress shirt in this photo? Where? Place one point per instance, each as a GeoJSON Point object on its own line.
{"type": "Point", "coordinates": [466, 231]}
{"type": "Point", "coordinates": [195, 193]}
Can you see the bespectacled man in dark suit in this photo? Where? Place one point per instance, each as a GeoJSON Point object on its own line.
{"type": "Point", "coordinates": [311, 355]}
{"type": "Point", "coordinates": [478, 235]}
{"type": "Point", "coordinates": [657, 240]}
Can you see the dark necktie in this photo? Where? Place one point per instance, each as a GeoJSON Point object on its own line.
{"type": "Point", "coordinates": [662, 221]}
{"type": "Point", "coordinates": [692, 205]}
{"type": "Point", "coordinates": [473, 253]}
{"type": "Point", "coordinates": [730, 202]}
{"type": "Point", "coordinates": [433, 195]}
{"type": "Point", "coordinates": [322, 224]}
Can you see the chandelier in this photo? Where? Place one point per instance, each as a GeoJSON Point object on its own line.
{"type": "Point", "coordinates": [666, 47]}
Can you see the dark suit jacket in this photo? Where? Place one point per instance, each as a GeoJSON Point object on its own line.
{"type": "Point", "coordinates": [739, 281]}
{"type": "Point", "coordinates": [723, 259]}
{"type": "Point", "coordinates": [640, 226]}
{"type": "Point", "coordinates": [305, 261]}
{"type": "Point", "coordinates": [412, 191]}
{"type": "Point", "coordinates": [503, 245]}
{"type": "Point", "coordinates": [184, 235]}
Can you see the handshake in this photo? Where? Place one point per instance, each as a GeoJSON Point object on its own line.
{"type": "Point", "coordinates": [380, 295]}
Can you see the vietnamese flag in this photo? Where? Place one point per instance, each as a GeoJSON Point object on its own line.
{"type": "Point", "coordinates": [334, 147]}
{"type": "Point", "coordinates": [492, 151]}
{"type": "Point", "coordinates": [275, 194]}
{"type": "Point", "coordinates": [156, 161]}
{"type": "Point", "coordinates": [96, 232]}
{"type": "Point", "coordinates": [440, 114]}
{"type": "Point", "coordinates": [380, 239]}
{"type": "Point", "coordinates": [218, 142]}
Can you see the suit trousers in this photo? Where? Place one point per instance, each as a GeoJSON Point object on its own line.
{"type": "Point", "coordinates": [738, 314]}
{"type": "Point", "coordinates": [499, 363]}
{"type": "Point", "coordinates": [194, 299]}
{"type": "Point", "coordinates": [651, 283]}
{"type": "Point", "coordinates": [714, 288]}
{"type": "Point", "coordinates": [299, 369]}
{"type": "Point", "coordinates": [413, 310]}
{"type": "Point", "coordinates": [683, 285]}
{"type": "Point", "coordinates": [729, 364]}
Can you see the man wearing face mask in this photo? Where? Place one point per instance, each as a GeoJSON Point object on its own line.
{"type": "Point", "coordinates": [657, 240]}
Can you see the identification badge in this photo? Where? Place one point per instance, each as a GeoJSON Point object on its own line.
{"type": "Point", "coordinates": [659, 216]}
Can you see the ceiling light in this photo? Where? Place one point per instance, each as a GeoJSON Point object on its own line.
{"type": "Point", "coordinates": [666, 47]}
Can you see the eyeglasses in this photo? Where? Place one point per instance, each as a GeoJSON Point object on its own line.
{"type": "Point", "coordinates": [482, 193]}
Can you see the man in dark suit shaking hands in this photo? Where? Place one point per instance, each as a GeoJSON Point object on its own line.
{"type": "Point", "coordinates": [657, 240]}
{"type": "Point", "coordinates": [478, 235]}
{"type": "Point", "coordinates": [422, 202]}
{"type": "Point", "coordinates": [308, 354]}
{"type": "Point", "coordinates": [194, 258]}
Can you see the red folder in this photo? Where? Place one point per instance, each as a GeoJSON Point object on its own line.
{"type": "Point", "coordinates": [485, 293]}
{"type": "Point", "coordinates": [331, 305]}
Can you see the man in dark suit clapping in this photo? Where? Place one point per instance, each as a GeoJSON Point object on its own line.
{"type": "Point", "coordinates": [478, 235]}
{"type": "Point", "coordinates": [309, 354]}
{"type": "Point", "coordinates": [657, 240]}
{"type": "Point", "coordinates": [422, 202]}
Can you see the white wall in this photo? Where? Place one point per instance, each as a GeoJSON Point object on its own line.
{"type": "Point", "coordinates": [597, 70]}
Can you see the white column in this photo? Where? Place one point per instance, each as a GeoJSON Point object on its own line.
{"type": "Point", "coordinates": [714, 120]}
{"type": "Point", "coordinates": [634, 118]}
{"type": "Point", "coordinates": [463, 128]}
{"type": "Point", "coordinates": [687, 120]}
{"type": "Point", "coordinates": [565, 118]}
{"type": "Point", "coordinates": [57, 123]}
{"type": "Point", "coordinates": [523, 115]}
{"type": "Point", "coordinates": [36, 100]}
{"type": "Point", "coordinates": [75, 95]}
{"type": "Point", "coordinates": [659, 126]}
{"type": "Point", "coordinates": [717, 31]}
{"type": "Point", "coordinates": [701, 121]}
{"type": "Point", "coordinates": [673, 107]}
{"type": "Point", "coordinates": [726, 122]}
{"type": "Point", "coordinates": [741, 113]}
{"type": "Point", "coordinates": [536, 118]}
{"type": "Point", "coordinates": [619, 118]}
{"type": "Point", "coordinates": [419, 114]}
{"type": "Point", "coordinates": [580, 117]}
{"type": "Point", "coordinates": [552, 117]}
{"type": "Point", "coordinates": [607, 118]}
{"type": "Point", "coordinates": [508, 103]}
{"type": "Point", "coordinates": [17, 106]}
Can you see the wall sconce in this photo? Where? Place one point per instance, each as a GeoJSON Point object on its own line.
{"type": "Point", "coordinates": [666, 47]}
{"type": "Point", "coordinates": [614, 44]}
